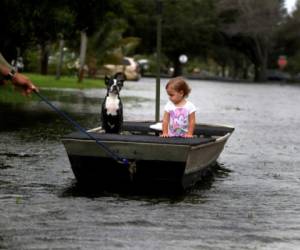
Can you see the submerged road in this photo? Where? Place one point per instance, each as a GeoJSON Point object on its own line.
{"type": "Point", "coordinates": [252, 201]}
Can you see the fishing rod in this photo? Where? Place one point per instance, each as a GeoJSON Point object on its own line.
{"type": "Point", "coordinates": [82, 130]}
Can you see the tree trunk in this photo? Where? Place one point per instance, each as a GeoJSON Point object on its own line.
{"type": "Point", "coordinates": [177, 67]}
{"type": "Point", "coordinates": [60, 59]}
{"type": "Point", "coordinates": [261, 70]}
{"type": "Point", "coordinates": [256, 73]}
{"type": "Point", "coordinates": [44, 58]}
{"type": "Point", "coordinates": [261, 48]}
{"type": "Point", "coordinates": [245, 68]}
{"type": "Point", "coordinates": [83, 47]}
{"type": "Point", "coordinates": [223, 70]}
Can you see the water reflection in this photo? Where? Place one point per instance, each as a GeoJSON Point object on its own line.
{"type": "Point", "coordinates": [195, 194]}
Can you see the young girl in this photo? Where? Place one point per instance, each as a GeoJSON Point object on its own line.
{"type": "Point", "coordinates": [179, 116]}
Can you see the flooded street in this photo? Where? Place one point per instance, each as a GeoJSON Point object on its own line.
{"type": "Point", "coordinates": [252, 201]}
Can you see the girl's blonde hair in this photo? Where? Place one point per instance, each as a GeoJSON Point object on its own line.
{"type": "Point", "coordinates": [179, 84]}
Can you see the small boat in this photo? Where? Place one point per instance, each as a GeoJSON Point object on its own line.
{"type": "Point", "coordinates": [154, 162]}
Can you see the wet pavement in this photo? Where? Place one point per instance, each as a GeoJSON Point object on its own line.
{"type": "Point", "coordinates": [251, 201]}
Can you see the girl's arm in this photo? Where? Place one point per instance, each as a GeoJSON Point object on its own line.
{"type": "Point", "coordinates": [165, 125]}
{"type": "Point", "coordinates": [192, 122]}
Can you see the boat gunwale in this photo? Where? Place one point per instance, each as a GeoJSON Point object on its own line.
{"type": "Point", "coordinates": [218, 140]}
{"type": "Point", "coordinates": [141, 133]}
{"type": "Point", "coordinates": [140, 138]}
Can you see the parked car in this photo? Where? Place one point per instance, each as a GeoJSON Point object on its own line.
{"type": "Point", "coordinates": [144, 66]}
{"type": "Point", "coordinates": [129, 67]}
{"type": "Point", "coordinates": [277, 75]}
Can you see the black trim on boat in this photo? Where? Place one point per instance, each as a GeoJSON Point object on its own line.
{"type": "Point", "coordinates": [140, 132]}
{"type": "Point", "coordinates": [141, 138]}
{"type": "Point", "coordinates": [200, 129]}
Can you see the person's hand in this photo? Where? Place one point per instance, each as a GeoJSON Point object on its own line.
{"type": "Point", "coordinates": [188, 136]}
{"type": "Point", "coordinates": [23, 83]}
{"type": "Point", "coordinates": [164, 135]}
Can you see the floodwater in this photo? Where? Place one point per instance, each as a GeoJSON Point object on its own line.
{"type": "Point", "coordinates": [251, 201]}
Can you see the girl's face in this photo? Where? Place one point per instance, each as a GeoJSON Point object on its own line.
{"type": "Point", "coordinates": [175, 96]}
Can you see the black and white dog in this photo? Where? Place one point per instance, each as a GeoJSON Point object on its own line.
{"type": "Point", "coordinates": [112, 108]}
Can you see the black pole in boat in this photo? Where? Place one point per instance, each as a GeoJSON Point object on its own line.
{"type": "Point", "coordinates": [158, 52]}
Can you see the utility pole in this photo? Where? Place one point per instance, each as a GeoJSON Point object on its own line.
{"type": "Point", "coordinates": [158, 53]}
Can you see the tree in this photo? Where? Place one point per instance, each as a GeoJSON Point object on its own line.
{"type": "Point", "coordinates": [15, 33]}
{"type": "Point", "coordinates": [251, 26]}
{"type": "Point", "coordinates": [108, 44]}
{"type": "Point", "coordinates": [103, 23]}
{"type": "Point", "coordinates": [288, 40]}
{"type": "Point", "coordinates": [141, 17]}
{"type": "Point", "coordinates": [46, 22]}
{"type": "Point", "coordinates": [28, 24]}
{"type": "Point", "coordinates": [187, 27]}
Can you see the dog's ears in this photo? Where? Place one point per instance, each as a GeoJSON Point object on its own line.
{"type": "Point", "coordinates": [120, 76]}
{"type": "Point", "coordinates": [120, 83]}
{"type": "Point", "coordinates": [106, 80]}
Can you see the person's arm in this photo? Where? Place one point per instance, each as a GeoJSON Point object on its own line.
{"type": "Point", "coordinates": [4, 63]}
{"type": "Point", "coordinates": [6, 70]}
{"type": "Point", "coordinates": [165, 125]}
{"type": "Point", "coordinates": [17, 79]}
{"type": "Point", "coordinates": [192, 122]}
{"type": "Point", "coordinates": [23, 83]}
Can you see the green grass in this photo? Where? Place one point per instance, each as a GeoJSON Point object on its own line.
{"type": "Point", "coordinates": [9, 95]}
{"type": "Point", "coordinates": [42, 81]}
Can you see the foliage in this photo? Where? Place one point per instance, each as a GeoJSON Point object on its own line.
{"type": "Point", "coordinates": [14, 27]}
{"type": "Point", "coordinates": [288, 41]}
{"type": "Point", "coordinates": [187, 27]}
{"type": "Point", "coordinates": [108, 45]}
{"type": "Point", "coordinates": [250, 27]}
{"type": "Point", "coordinates": [236, 35]}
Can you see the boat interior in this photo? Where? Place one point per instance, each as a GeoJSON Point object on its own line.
{"type": "Point", "coordinates": [143, 133]}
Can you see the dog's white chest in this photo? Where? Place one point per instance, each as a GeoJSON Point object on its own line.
{"type": "Point", "coordinates": [112, 105]}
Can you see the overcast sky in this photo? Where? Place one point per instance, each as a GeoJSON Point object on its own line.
{"type": "Point", "coordinates": [290, 4]}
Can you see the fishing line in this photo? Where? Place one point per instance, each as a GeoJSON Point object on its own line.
{"type": "Point", "coordinates": [82, 130]}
